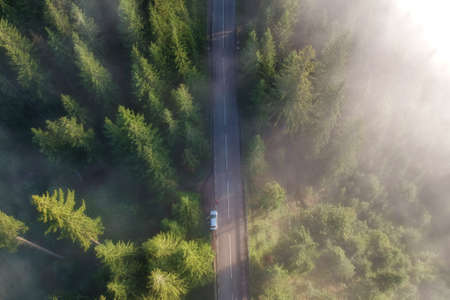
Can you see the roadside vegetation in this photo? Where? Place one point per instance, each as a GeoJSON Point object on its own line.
{"type": "Point", "coordinates": [103, 147]}
{"type": "Point", "coordinates": [342, 201]}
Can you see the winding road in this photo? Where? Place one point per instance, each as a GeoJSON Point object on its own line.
{"type": "Point", "coordinates": [231, 236]}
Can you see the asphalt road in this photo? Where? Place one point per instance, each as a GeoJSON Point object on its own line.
{"type": "Point", "coordinates": [231, 235]}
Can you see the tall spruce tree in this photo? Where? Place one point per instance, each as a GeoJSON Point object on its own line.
{"type": "Point", "coordinates": [132, 137]}
{"type": "Point", "coordinates": [132, 22]}
{"type": "Point", "coordinates": [20, 51]}
{"type": "Point", "coordinates": [96, 78]}
{"type": "Point", "coordinates": [65, 139]}
{"type": "Point", "coordinates": [58, 209]}
{"type": "Point", "coordinates": [295, 91]}
{"type": "Point", "coordinates": [10, 231]}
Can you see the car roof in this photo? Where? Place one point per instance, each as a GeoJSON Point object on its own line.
{"type": "Point", "coordinates": [214, 222]}
{"type": "Point", "coordinates": [214, 212]}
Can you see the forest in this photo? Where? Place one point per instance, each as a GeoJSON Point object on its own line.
{"type": "Point", "coordinates": [345, 146]}
{"type": "Point", "coordinates": [104, 146]}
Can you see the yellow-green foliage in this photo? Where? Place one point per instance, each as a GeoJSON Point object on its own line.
{"type": "Point", "coordinates": [20, 52]}
{"type": "Point", "coordinates": [93, 74]}
{"type": "Point", "coordinates": [58, 209]}
{"type": "Point", "coordinates": [10, 229]}
{"type": "Point", "coordinates": [64, 138]}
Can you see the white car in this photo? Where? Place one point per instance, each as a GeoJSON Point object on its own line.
{"type": "Point", "coordinates": [213, 220]}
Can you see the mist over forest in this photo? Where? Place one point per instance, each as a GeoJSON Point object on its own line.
{"type": "Point", "coordinates": [345, 130]}
{"type": "Point", "coordinates": [105, 150]}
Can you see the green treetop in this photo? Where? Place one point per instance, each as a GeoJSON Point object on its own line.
{"type": "Point", "coordinates": [147, 86]}
{"type": "Point", "coordinates": [166, 285]}
{"type": "Point", "coordinates": [57, 12]}
{"type": "Point", "coordinates": [19, 49]}
{"type": "Point", "coordinates": [94, 75]}
{"type": "Point", "coordinates": [188, 212]}
{"type": "Point", "coordinates": [295, 90]}
{"type": "Point", "coordinates": [84, 26]}
{"type": "Point", "coordinates": [173, 48]}
{"type": "Point", "coordinates": [122, 261]}
{"type": "Point", "coordinates": [65, 138]}
{"type": "Point", "coordinates": [132, 23]}
{"type": "Point", "coordinates": [58, 209]}
{"type": "Point", "coordinates": [10, 229]}
{"type": "Point", "coordinates": [267, 57]}
{"type": "Point", "coordinates": [130, 135]}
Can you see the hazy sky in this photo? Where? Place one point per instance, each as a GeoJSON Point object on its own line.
{"type": "Point", "coordinates": [431, 17]}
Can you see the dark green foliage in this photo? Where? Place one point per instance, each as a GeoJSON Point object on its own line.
{"type": "Point", "coordinates": [148, 88]}
{"type": "Point", "coordinates": [65, 139]}
{"type": "Point", "coordinates": [93, 74]}
{"type": "Point", "coordinates": [20, 52]}
{"type": "Point", "coordinates": [131, 136]}
{"type": "Point", "coordinates": [132, 23]}
{"type": "Point", "coordinates": [10, 229]}
{"type": "Point", "coordinates": [122, 260]}
{"type": "Point", "coordinates": [190, 131]}
{"type": "Point", "coordinates": [58, 209]}
{"type": "Point", "coordinates": [95, 56]}
{"type": "Point", "coordinates": [188, 212]}
{"type": "Point", "coordinates": [173, 49]}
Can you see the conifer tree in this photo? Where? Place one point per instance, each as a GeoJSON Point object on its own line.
{"type": "Point", "coordinates": [147, 86]}
{"type": "Point", "coordinates": [122, 260]}
{"type": "Point", "coordinates": [73, 109]}
{"type": "Point", "coordinates": [93, 74]}
{"type": "Point", "coordinates": [173, 48]}
{"type": "Point", "coordinates": [10, 231]}
{"type": "Point", "coordinates": [165, 285]}
{"type": "Point", "coordinates": [65, 138]}
{"type": "Point", "coordinates": [132, 23]}
{"type": "Point", "coordinates": [188, 212]}
{"type": "Point", "coordinates": [58, 209]}
{"type": "Point", "coordinates": [143, 148]}
{"type": "Point", "coordinates": [198, 258]}
{"type": "Point", "coordinates": [295, 91]}
{"type": "Point", "coordinates": [58, 12]}
{"type": "Point", "coordinates": [190, 128]}
{"type": "Point", "coordinates": [20, 52]}
{"type": "Point", "coordinates": [267, 57]}
{"type": "Point", "coordinates": [85, 27]}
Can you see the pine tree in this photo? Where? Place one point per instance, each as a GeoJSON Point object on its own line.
{"type": "Point", "coordinates": [173, 48]}
{"type": "Point", "coordinates": [65, 138]}
{"type": "Point", "coordinates": [267, 57]}
{"type": "Point", "coordinates": [143, 148]}
{"type": "Point", "coordinates": [58, 209]}
{"type": "Point", "coordinates": [58, 13]}
{"type": "Point", "coordinates": [198, 258]}
{"type": "Point", "coordinates": [132, 23]}
{"type": "Point", "coordinates": [165, 285]}
{"type": "Point", "coordinates": [190, 129]}
{"type": "Point", "coordinates": [94, 75]}
{"type": "Point", "coordinates": [85, 27]}
{"type": "Point", "coordinates": [147, 86]}
{"type": "Point", "coordinates": [20, 52]}
{"type": "Point", "coordinates": [73, 109]}
{"type": "Point", "coordinates": [188, 212]}
{"type": "Point", "coordinates": [10, 231]}
{"type": "Point", "coordinates": [122, 260]}
{"type": "Point", "coordinates": [295, 91]}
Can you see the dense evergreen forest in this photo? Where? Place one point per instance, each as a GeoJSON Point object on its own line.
{"type": "Point", "coordinates": [346, 153]}
{"type": "Point", "coordinates": [104, 144]}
